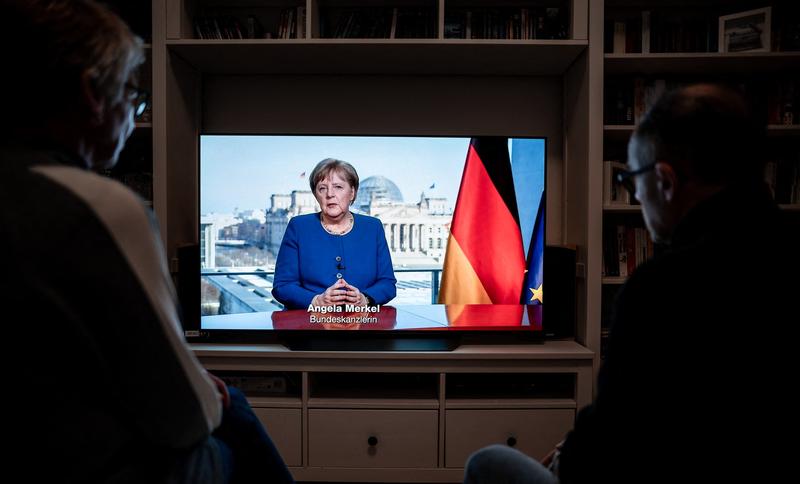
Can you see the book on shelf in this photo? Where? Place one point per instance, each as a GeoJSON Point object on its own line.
{"type": "Point", "coordinates": [783, 178]}
{"type": "Point", "coordinates": [506, 23]}
{"type": "Point", "coordinates": [613, 192]}
{"type": "Point", "coordinates": [625, 247]}
{"type": "Point", "coordinates": [776, 101]}
{"type": "Point", "coordinates": [645, 32]}
{"type": "Point", "coordinates": [393, 26]}
{"type": "Point", "coordinates": [661, 31]}
{"type": "Point", "coordinates": [292, 23]}
{"type": "Point", "coordinates": [381, 23]}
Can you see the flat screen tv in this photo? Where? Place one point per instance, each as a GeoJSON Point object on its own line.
{"type": "Point", "coordinates": [450, 228]}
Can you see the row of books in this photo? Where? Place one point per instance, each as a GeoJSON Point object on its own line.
{"type": "Point", "coordinates": [291, 24]}
{"type": "Point", "coordinates": [381, 23]}
{"type": "Point", "coordinates": [506, 23]}
{"type": "Point", "coordinates": [654, 33]}
{"type": "Point", "coordinates": [674, 31]}
{"type": "Point", "coordinates": [625, 247]}
{"type": "Point", "coordinates": [627, 99]}
{"type": "Point", "coordinates": [783, 178]}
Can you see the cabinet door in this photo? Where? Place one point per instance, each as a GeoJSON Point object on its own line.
{"type": "Point", "coordinates": [372, 438]}
{"type": "Point", "coordinates": [284, 428]}
{"type": "Point", "coordinates": [533, 432]}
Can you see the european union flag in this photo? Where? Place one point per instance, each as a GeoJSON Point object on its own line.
{"type": "Point", "coordinates": [532, 285]}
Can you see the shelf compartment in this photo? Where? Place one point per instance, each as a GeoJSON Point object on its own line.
{"type": "Point", "coordinates": [509, 386]}
{"type": "Point", "coordinates": [380, 56]}
{"type": "Point", "coordinates": [359, 389]}
{"type": "Point", "coordinates": [266, 388]}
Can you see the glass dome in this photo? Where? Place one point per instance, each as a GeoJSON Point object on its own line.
{"type": "Point", "coordinates": [378, 189]}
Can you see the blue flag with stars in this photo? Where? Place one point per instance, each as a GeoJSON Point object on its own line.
{"type": "Point", "coordinates": [532, 285]}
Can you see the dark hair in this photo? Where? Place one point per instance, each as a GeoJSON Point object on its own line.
{"type": "Point", "coordinates": [328, 165]}
{"type": "Point", "coordinates": [48, 45]}
{"type": "Point", "coordinates": [706, 132]}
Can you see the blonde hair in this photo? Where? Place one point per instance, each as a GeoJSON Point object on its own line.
{"type": "Point", "coordinates": [330, 165]}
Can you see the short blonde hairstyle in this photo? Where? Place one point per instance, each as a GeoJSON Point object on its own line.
{"type": "Point", "coordinates": [331, 165]}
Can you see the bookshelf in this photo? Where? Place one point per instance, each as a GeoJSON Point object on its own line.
{"type": "Point", "coordinates": [761, 74]}
{"type": "Point", "coordinates": [314, 80]}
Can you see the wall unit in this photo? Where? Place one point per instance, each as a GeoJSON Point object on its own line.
{"type": "Point", "coordinates": [407, 417]}
{"type": "Point", "coordinates": [633, 71]}
{"type": "Point", "coordinates": [310, 83]}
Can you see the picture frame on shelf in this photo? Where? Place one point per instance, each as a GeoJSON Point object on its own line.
{"type": "Point", "coordinates": [749, 31]}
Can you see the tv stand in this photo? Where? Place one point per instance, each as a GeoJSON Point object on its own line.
{"type": "Point", "coordinates": [406, 416]}
{"type": "Point", "coordinates": [395, 342]}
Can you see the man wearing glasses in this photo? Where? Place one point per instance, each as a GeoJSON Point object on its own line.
{"type": "Point", "coordinates": [104, 387]}
{"type": "Point", "coordinates": [703, 336]}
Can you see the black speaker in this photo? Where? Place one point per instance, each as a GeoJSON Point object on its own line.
{"type": "Point", "coordinates": [188, 282]}
{"type": "Point", "coordinates": [559, 292]}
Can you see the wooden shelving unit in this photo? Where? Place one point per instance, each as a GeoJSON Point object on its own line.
{"type": "Point", "coordinates": [694, 66]}
{"type": "Point", "coordinates": [432, 86]}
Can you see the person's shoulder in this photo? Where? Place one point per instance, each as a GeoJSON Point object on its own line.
{"type": "Point", "coordinates": [108, 200]}
{"type": "Point", "coordinates": [94, 189]}
{"type": "Point", "coordinates": [304, 221]}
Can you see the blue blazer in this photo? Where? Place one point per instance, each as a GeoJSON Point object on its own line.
{"type": "Point", "coordinates": [307, 261]}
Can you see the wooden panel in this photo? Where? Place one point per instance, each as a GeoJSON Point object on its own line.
{"type": "Point", "coordinates": [536, 431]}
{"type": "Point", "coordinates": [488, 57]}
{"type": "Point", "coordinates": [702, 63]}
{"type": "Point", "coordinates": [340, 438]}
{"type": "Point", "coordinates": [580, 19]}
{"type": "Point", "coordinates": [283, 427]}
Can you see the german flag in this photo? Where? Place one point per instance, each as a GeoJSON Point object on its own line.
{"type": "Point", "coordinates": [485, 262]}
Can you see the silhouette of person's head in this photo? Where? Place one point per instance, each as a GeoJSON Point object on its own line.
{"type": "Point", "coordinates": [694, 142]}
{"type": "Point", "coordinates": [73, 86]}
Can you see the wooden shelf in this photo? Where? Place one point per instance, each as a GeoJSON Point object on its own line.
{"type": "Point", "coordinates": [380, 56]}
{"type": "Point", "coordinates": [507, 403]}
{"type": "Point", "coordinates": [376, 403]}
{"type": "Point", "coordinates": [622, 132]}
{"type": "Point", "coordinates": [702, 63]}
{"type": "Point", "coordinates": [783, 130]}
{"type": "Point", "coordinates": [622, 208]}
{"type": "Point", "coordinates": [614, 280]}
{"type": "Point", "coordinates": [618, 132]}
{"type": "Point", "coordinates": [275, 402]}
{"type": "Point", "coordinates": [147, 125]}
{"type": "Point", "coordinates": [791, 207]}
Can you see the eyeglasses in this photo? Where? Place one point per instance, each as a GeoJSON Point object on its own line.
{"type": "Point", "coordinates": [625, 177]}
{"type": "Point", "coordinates": [139, 98]}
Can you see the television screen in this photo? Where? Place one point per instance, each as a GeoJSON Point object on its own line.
{"type": "Point", "coordinates": [371, 233]}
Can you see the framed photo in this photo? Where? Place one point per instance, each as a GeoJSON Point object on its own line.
{"type": "Point", "coordinates": [746, 31]}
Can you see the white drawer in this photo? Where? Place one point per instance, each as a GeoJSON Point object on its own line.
{"type": "Point", "coordinates": [372, 438]}
{"type": "Point", "coordinates": [534, 432]}
{"type": "Point", "coordinates": [285, 429]}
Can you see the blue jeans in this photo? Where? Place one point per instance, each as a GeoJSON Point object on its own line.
{"type": "Point", "coordinates": [248, 454]}
{"type": "Point", "coordinates": [500, 464]}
